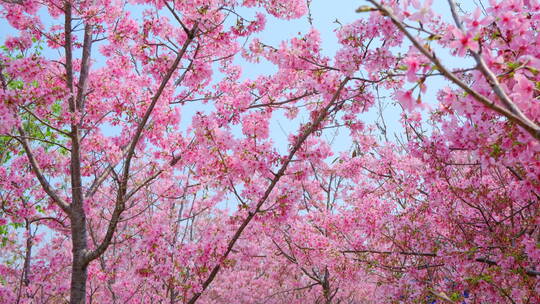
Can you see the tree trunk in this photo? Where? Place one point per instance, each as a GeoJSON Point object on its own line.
{"type": "Point", "coordinates": [76, 209]}
{"type": "Point", "coordinates": [78, 283]}
{"type": "Point", "coordinates": [79, 263]}
{"type": "Point", "coordinates": [78, 229]}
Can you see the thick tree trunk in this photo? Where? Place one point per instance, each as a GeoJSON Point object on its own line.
{"type": "Point", "coordinates": [327, 292]}
{"type": "Point", "coordinates": [79, 235]}
{"type": "Point", "coordinates": [79, 262]}
{"type": "Point", "coordinates": [78, 282]}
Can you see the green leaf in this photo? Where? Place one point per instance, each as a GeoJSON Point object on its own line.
{"type": "Point", "coordinates": [402, 67]}
{"type": "Point", "coordinates": [455, 296]}
{"type": "Point", "coordinates": [513, 65]}
{"type": "Point", "coordinates": [40, 209]}
{"type": "Point", "coordinates": [496, 151]}
{"type": "Point", "coordinates": [365, 9]}
{"type": "Point", "coordinates": [16, 85]}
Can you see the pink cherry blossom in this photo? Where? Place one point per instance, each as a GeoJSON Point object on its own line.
{"type": "Point", "coordinates": [463, 42]}
{"type": "Point", "coordinates": [140, 163]}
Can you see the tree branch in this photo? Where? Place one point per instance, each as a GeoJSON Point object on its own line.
{"type": "Point", "coordinates": [529, 272]}
{"type": "Point", "coordinates": [122, 189]}
{"type": "Point", "coordinates": [39, 173]}
{"type": "Point", "coordinates": [532, 128]}
{"type": "Point", "coordinates": [85, 66]}
{"type": "Point", "coordinates": [305, 134]}
{"type": "Point", "coordinates": [492, 79]}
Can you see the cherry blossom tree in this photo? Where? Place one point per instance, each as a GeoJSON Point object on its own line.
{"type": "Point", "coordinates": [113, 190]}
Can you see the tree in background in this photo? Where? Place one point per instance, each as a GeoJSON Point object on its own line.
{"type": "Point", "coordinates": [110, 193]}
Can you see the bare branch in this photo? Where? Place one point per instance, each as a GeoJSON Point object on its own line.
{"type": "Point", "coordinates": [275, 104]}
{"type": "Point", "coordinates": [20, 2]}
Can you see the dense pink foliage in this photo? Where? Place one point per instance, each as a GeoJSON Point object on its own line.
{"type": "Point", "coordinates": [182, 206]}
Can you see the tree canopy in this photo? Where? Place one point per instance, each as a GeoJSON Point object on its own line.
{"type": "Point", "coordinates": [138, 164]}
